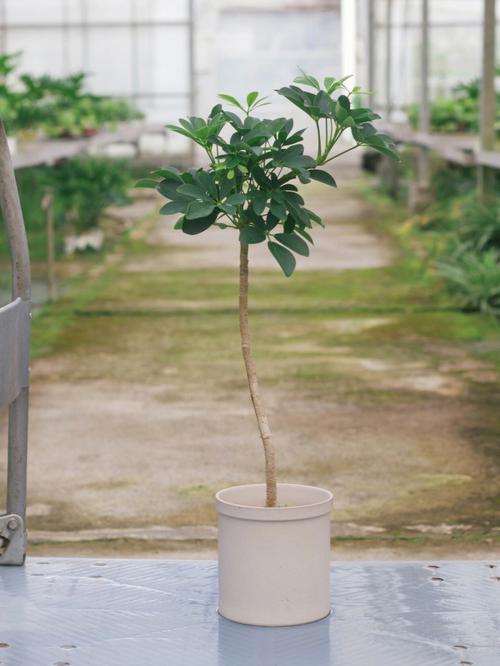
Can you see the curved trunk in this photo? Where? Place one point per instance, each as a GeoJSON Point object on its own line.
{"type": "Point", "coordinates": [265, 432]}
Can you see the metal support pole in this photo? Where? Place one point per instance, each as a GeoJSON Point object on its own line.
{"type": "Point", "coordinates": [424, 115]}
{"type": "Point", "coordinates": [3, 27]}
{"type": "Point", "coordinates": [371, 47]}
{"type": "Point", "coordinates": [48, 206]}
{"type": "Point", "coordinates": [192, 70]}
{"type": "Point", "coordinates": [17, 465]}
{"type": "Point", "coordinates": [388, 59]}
{"type": "Point", "coordinates": [65, 38]}
{"type": "Point", "coordinates": [192, 74]}
{"type": "Point", "coordinates": [13, 532]}
{"type": "Point", "coordinates": [134, 48]}
{"type": "Point", "coordinates": [85, 35]}
{"type": "Point", "coordinates": [486, 175]}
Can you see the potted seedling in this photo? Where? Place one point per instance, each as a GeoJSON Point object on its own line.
{"type": "Point", "coordinates": [274, 538]}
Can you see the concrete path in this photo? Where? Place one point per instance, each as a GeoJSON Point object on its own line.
{"type": "Point", "coordinates": [138, 419]}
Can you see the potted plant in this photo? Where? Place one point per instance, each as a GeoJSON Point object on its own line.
{"type": "Point", "coordinates": [274, 538]}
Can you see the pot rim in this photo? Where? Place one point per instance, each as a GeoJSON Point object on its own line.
{"type": "Point", "coordinates": [312, 509]}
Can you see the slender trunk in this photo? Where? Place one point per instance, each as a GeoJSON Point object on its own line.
{"type": "Point", "coordinates": [265, 432]}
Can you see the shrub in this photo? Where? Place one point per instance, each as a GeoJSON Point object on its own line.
{"type": "Point", "coordinates": [459, 112]}
{"type": "Point", "coordinates": [474, 278]}
{"type": "Point", "coordinates": [58, 106]}
{"type": "Point", "coordinates": [85, 186]}
{"type": "Point", "coordinates": [479, 227]}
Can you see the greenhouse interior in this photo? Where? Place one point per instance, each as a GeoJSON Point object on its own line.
{"type": "Point", "coordinates": [250, 332]}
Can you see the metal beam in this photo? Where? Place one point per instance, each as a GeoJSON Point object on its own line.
{"type": "Point", "coordinates": [18, 409]}
{"type": "Point", "coordinates": [486, 176]}
{"type": "Point", "coordinates": [424, 116]}
{"type": "Point", "coordinates": [388, 59]}
{"type": "Point", "coordinates": [371, 47]}
{"type": "Point", "coordinates": [192, 64]}
{"type": "Point", "coordinates": [83, 24]}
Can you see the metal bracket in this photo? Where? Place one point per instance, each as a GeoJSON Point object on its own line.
{"type": "Point", "coordinates": [12, 540]}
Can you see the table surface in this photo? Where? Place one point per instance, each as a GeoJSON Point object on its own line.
{"type": "Point", "coordinates": [87, 612]}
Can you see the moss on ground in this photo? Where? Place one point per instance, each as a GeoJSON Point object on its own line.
{"type": "Point", "coordinates": [352, 337]}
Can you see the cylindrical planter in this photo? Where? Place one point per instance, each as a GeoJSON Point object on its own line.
{"type": "Point", "coordinates": [274, 563]}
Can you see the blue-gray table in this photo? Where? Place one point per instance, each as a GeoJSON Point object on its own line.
{"type": "Point", "coordinates": [86, 612]}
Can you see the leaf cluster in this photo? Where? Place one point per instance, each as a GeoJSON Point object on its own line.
{"type": "Point", "coordinates": [475, 279]}
{"type": "Point", "coordinates": [248, 185]}
{"type": "Point", "coordinates": [331, 108]}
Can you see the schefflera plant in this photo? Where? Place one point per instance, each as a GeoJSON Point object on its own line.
{"type": "Point", "coordinates": [248, 187]}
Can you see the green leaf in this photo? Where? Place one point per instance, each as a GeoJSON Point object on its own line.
{"type": "Point", "coordinates": [278, 209]}
{"type": "Point", "coordinates": [236, 199]}
{"type": "Point", "coordinates": [271, 221]}
{"type": "Point", "coordinates": [328, 82]}
{"type": "Point", "coordinates": [343, 100]}
{"type": "Point", "coordinates": [232, 162]}
{"type": "Point", "coordinates": [193, 227]}
{"type": "Point", "coordinates": [283, 256]}
{"type": "Point", "coordinates": [305, 235]}
{"type": "Point", "coordinates": [307, 80]}
{"type": "Point", "coordinates": [182, 131]}
{"type": "Point", "coordinates": [323, 177]}
{"type": "Point", "coordinates": [169, 189]}
{"type": "Point", "coordinates": [382, 144]}
{"type": "Point", "coordinates": [168, 174]}
{"type": "Point", "coordinates": [174, 207]}
{"type": "Point", "coordinates": [198, 209]}
{"type": "Point", "coordinates": [147, 182]}
{"type": "Point", "coordinates": [289, 224]}
{"type": "Point", "coordinates": [227, 208]}
{"type": "Point", "coordinates": [259, 201]}
{"type": "Point", "coordinates": [232, 100]}
{"type": "Point", "coordinates": [251, 235]}
{"type": "Point", "coordinates": [251, 97]}
{"type": "Point", "coordinates": [294, 242]}
{"type": "Point", "coordinates": [207, 182]}
{"type": "Point", "coordinates": [193, 191]}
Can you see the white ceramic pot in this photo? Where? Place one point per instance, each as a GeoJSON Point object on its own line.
{"type": "Point", "coordinates": [274, 563]}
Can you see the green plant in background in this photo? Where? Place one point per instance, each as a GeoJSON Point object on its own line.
{"type": "Point", "coordinates": [9, 99]}
{"type": "Point", "coordinates": [461, 236]}
{"type": "Point", "coordinates": [57, 106]}
{"type": "Point", "coordinates": [479, 227]}
{"type": "Point", "coordinates": [459, 112]}
{"type": "Point", "coordinates": [67, 110]}
{"type": "Point", "coordinates": [474, 278]}
{"type": "Point", "coordinates": [83, 188]}
{"type": "Point", "coordinates": [249, 187]}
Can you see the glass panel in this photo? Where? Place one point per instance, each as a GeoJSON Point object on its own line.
{"type": "Point", "coordinates": [110, 61]}
{"type": "Point", "coordinates": [33, 12]}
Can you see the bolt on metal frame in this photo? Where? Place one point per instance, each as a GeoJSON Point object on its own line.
{"type": "Point", "coordinates": [15, 326]}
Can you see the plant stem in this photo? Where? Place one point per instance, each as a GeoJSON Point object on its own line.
{"type": "Point", "coordinates": [318, 133]}
{"type": "Point", "coordinates": [342, 153]}
{"type": "Point", "coordinates": [265, 432]}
